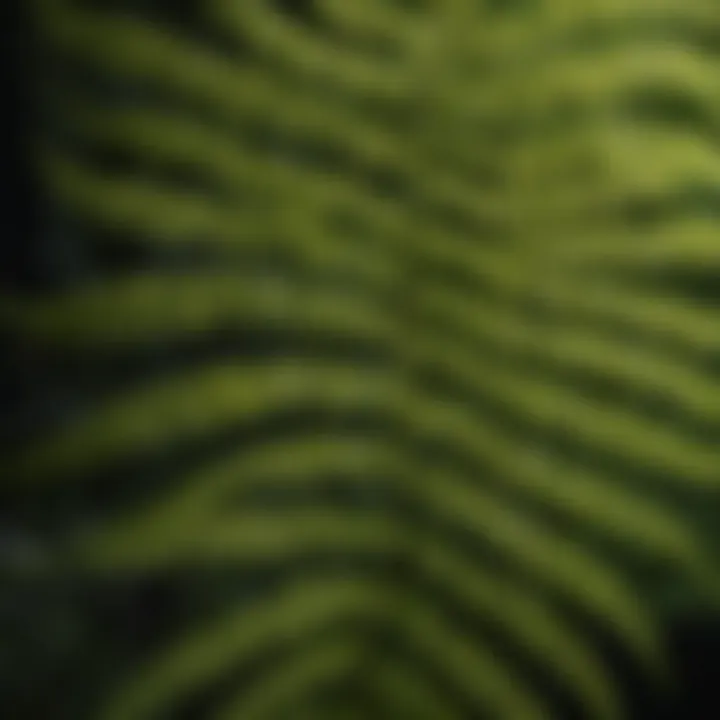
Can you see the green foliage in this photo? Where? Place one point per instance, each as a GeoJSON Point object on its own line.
{"type": "Point", "coordinates": [459, 218]}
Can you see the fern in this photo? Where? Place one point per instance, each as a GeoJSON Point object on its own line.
{"type": "Point", "coordinates": [458, 217]}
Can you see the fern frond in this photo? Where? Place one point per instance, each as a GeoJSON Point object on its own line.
{"type": "Point", "coordinates": [290, 686]}
{"type": "Point", "coordinates": [183, 408]}
{"type": "Point", "coordinates": [453, 214]}
{"type": "Point", "coordinates": [284, 620]}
